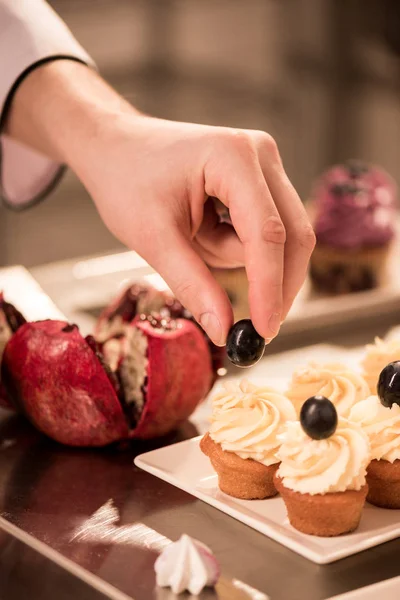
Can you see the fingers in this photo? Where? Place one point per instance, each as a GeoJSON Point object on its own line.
{"type": "Point", "coordinates": [264, 259]}
{"type": "Point", "coordinates": [220, 256]}
{"type": "Point", "coordinates": [300, 237]}
{"type": "Point", "coordinates": [192, 283]}
{"type": "Point", "coordinates": [217, 242]}
{"type": "Point", "coordinates": [240, 184]}
{"type": "Point", "coordinates": [300, 240]}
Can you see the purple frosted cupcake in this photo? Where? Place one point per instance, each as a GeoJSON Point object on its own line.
{"type": "Point", "coordinates": [354, 207]}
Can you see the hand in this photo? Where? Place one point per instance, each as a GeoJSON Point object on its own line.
{"type": "Point", "coordinates": [151, 179]}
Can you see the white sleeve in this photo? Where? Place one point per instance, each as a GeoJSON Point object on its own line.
{"type": "Point", "coordinates": [30, 33]}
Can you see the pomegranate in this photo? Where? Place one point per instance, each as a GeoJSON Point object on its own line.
{"type": "Point", "coordinates": [140, 299]}
{"type": "Point", "coordinates": [10, 320]}
{"type": "Point", "coordinates": [164, 369]}
{"type": "Point", "coordinates": [141, 383]}
{"type": "Point", "coordinates": [58, 380]}
{"type": "Point", "coordinates": [135, 300]}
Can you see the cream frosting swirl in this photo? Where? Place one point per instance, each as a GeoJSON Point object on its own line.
{"type": "Point", "coordinates": [382, 426]}
{"type": "Point", "coordinates": [335, 381]}
{"type": "Point", "coordinates": [377, 356]}
{"type": "Point", "coordinates": [247, 420]}
{"type": "Point", "coordinates": [326, 466]}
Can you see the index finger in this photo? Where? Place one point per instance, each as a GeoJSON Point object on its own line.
{"type": "Point", "coordinates": [261, 231]}
{"type": "Point", "coordinates": [300, 240]}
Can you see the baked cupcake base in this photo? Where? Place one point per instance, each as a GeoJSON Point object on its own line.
{"type": "Point", "coordinates": [237, 477]}
{"type": "Point", "coordinates": [340, 271]}
{"type": "Point", "coordinates": [383, 480]}
{"type": "Point", "coordinates": [324, 515]}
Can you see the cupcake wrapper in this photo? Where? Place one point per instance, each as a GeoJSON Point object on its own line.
{"type": "Point", "coordinates": [245, 479]}
{"type": "Point", "coordinates": [383, 480]}
{"type": "Point", "coordinates": [341, 271]}
{"type": "Point", "coordinates": [324, 515]}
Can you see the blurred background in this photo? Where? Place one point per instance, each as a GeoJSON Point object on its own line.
{"type": "Point", "coordinates": [322, 76]}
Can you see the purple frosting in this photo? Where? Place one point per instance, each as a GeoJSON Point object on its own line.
{"type": "Point", "coordinates": [355, 207]}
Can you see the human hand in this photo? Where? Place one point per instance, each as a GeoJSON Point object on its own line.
{"type": "Point", "coordinates": [151, 181]}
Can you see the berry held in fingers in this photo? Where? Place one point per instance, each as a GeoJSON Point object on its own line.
{"type": "Point", "coordinates": [245, 346]}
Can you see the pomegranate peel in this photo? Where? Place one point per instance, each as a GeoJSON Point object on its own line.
{"type": "Point", "coordinates": [164, 367]}
{"type": "Point", "coordinates": [58, 381]}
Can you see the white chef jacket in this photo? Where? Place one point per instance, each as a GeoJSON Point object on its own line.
{"type": "Point", "coordinates": [30, 33]}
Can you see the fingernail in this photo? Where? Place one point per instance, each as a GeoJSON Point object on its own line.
{"type": "Point", "coordinates": [212, 327]}
{"type": "Point", "coordinates": [274, 323]}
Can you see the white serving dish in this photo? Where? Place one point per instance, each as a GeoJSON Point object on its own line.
{"type": "Point", "coordinates": [387, 590]}
{"type": "Point", "coordinates": [184, 466]}
{"type": "Point", "coordinates": [22, 290]}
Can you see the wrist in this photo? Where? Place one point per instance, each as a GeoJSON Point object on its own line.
{"type": "Point", "coordinates": [62, 108]}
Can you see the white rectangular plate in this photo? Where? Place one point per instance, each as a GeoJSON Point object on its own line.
{"type": "Point", "coordinates": [184, 466]}
{"type": "Point", "coordinates": [21, 289]}
{"type": "Point", "coordinates": [387, 590]}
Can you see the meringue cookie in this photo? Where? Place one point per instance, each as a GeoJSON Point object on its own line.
{"type": "Point", "coordinates": [186, 565]}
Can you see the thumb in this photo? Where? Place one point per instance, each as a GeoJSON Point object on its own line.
{"type": "Point", "coordinates": [193, 284]}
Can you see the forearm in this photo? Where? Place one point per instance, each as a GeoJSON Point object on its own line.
{"type": "Point", "coordinates": [31, 35]}
{"type": "Point", "coordinates": [61, 107]}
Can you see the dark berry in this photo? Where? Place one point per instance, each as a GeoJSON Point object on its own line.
{"type": "Point", "coordinates": [343, 189]}
{"type": "Point", "coordinates": [318, 417]}
{"type": "Point", "coordinates": [244, 346]}
{"type": "Point", "coordinates": [389, 384]}
{"type": "Point", "coordinates": [356, 168]}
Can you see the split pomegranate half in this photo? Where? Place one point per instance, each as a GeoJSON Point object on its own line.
{"type": "Point", "coordinates": [142, 382]}
{"type": "Point", "coordinates": [141, 298]}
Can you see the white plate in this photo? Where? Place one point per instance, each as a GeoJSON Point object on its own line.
{"type": "Point", "coordinates": [184, 466]}
{"type": "Point", "coordinates": [21, 289]}
{"type": "Point", "coordinates": [387, 590]}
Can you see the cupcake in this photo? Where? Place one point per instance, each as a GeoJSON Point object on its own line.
{"type": "Point", "coordinates": [353, 208]}
{"type": "Point", "coordinates": [377, 356]}
{"type": "Point", "coordinates": [321, 477]}
{"type": "Point", "coordinates": [243, 439]}
{"type": "Point", "coordinates": [382, 425]}
{"type": "Point", "coordinates": [335, 381]}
